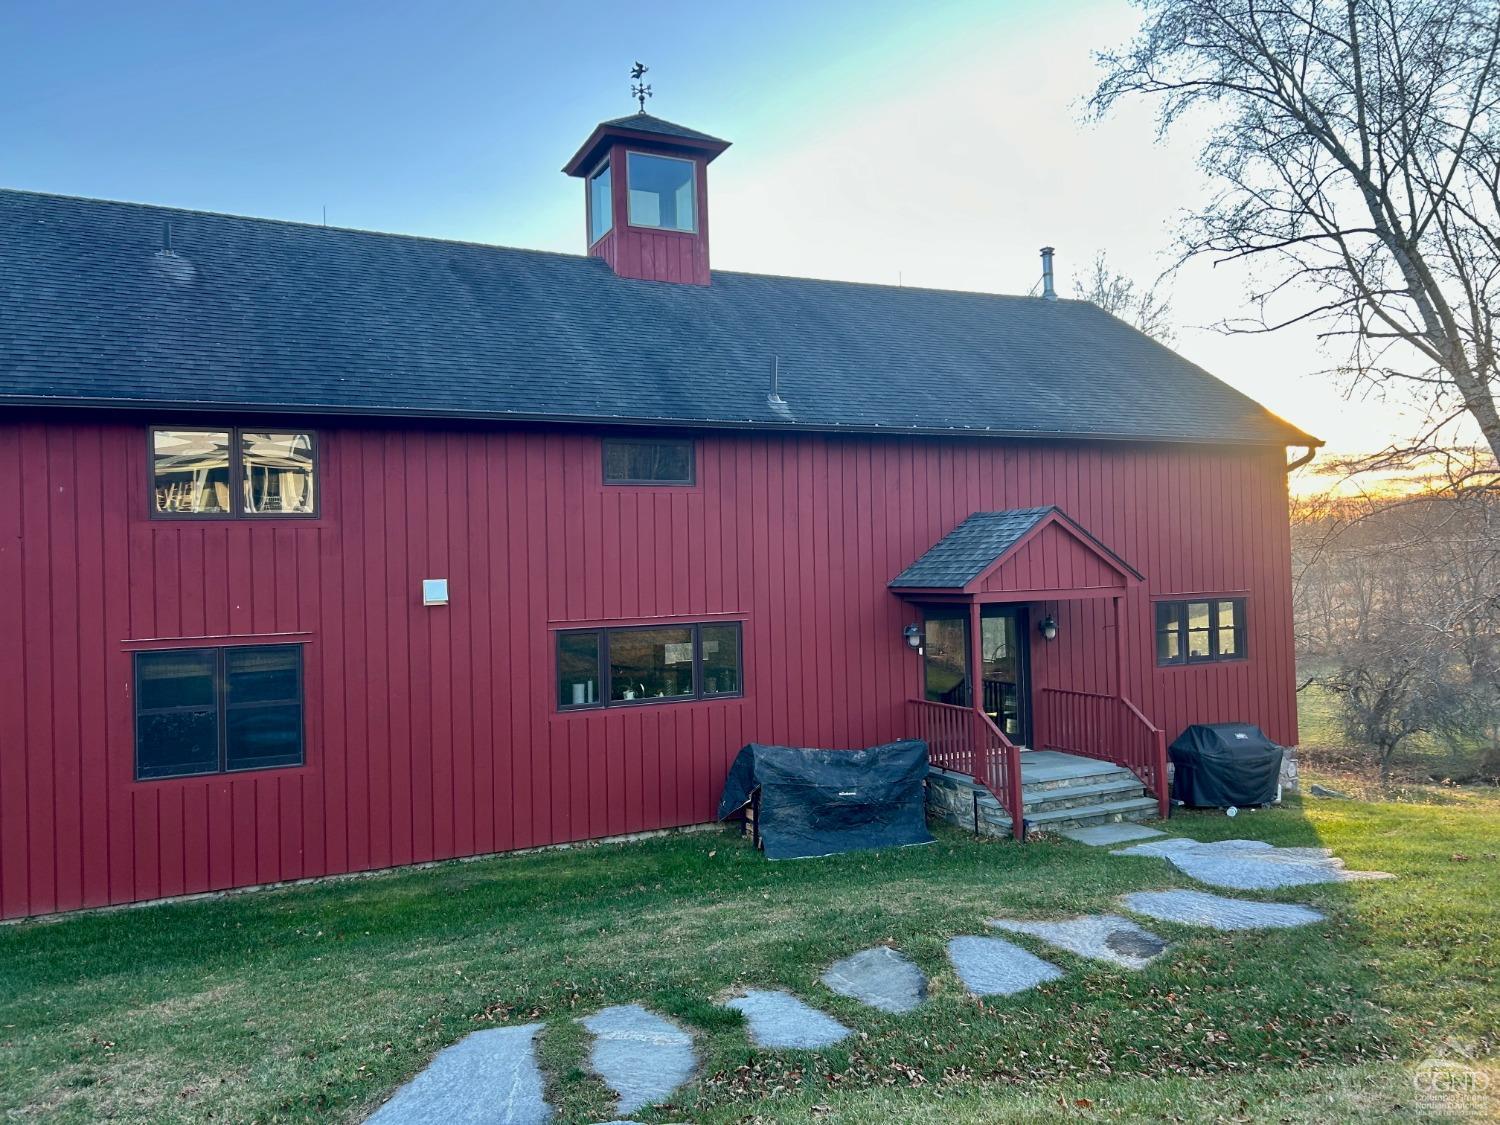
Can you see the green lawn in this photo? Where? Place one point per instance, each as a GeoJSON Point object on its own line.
{"type": "Point", "coordinates": [314, 1003]}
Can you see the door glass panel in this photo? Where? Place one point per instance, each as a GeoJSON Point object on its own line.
{"type": "Point", "coordinates": [1000, 650]}
{"type": "Point", "coordinates": [945, 666]}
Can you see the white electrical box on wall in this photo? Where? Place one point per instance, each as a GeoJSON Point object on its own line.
{"type": "Point", "coordinates": [434, 591]}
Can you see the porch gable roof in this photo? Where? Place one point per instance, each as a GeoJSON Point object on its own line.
{"type": "Point", "coordinates": [960, 561]}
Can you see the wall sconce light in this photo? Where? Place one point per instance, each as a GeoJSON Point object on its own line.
{"type": "Point", "coordinates": [1048, 627]}
{"type": "Point", "coordinates": [913, 635]}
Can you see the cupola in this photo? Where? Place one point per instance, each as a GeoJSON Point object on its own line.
{"type": "Point", "coordinates": [646, 197]}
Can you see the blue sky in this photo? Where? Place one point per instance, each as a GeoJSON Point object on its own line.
{"type": "Point", "coordinates": [448, 118]}
{"type": "Point", "coordinates": [937, 143]}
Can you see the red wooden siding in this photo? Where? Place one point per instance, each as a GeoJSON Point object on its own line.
{"type": "Point", "coordinates": [431, 732]}
{"type": "Point", "coordinates": [1052, 559]}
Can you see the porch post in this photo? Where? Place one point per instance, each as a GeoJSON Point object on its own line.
{"type": "Point", "coordinates": [976, 657]}
{"type": "Point", "coordinates": [1119, 646]}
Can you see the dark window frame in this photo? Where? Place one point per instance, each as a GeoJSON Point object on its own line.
{"type": "Point", "coordinates": [221, 708]}
{"type": "Point", "coordinates": [690, 481]}
{"type": "Point", "coordinates": [1182, 630]}
{"type": "Point", "coordinates": [606, 687]}
{"type": "Point", "coordinates": [236, 473]}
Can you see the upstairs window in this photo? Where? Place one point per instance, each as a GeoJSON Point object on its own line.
{"type": "Point", "coordinates": [641, 461]}
{"type": "Point", "coordinates": [217, 710]}
{"type": "Point", "coordinates": [219, 473]}
{"type": "Point", "coordinates": [662, 192]}
{"type": "Point", "coordinates": [1197, 632]}
{"type": "Point", "coordinates": [601, 204]}
{"type": "Point", "coordinates": [648, 664]}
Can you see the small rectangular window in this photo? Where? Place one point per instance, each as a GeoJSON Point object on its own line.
{"type": "Point", "coordinates": [1199, 632]}
{"type": "Point", "coordinates": [278, 473]}
{"type": "Point", "coordinates": [601, 204]}
{"type": "Point", "coordinates": [661, 191]}
{"type": "Point", "coordinates": [577, 669]}
{"type": "Point", "coordinates": [232, 473]}
{"type": "Point", "coordinates": [648, 664]}
{"type": "Point", "coordinates": [190, 472]}
{"type": "Point", "coordinates": [216, 710]}
{"type": "Point", "coordinates": [642, 461]}
{"type": "Point", "coordinates": [721, 659]}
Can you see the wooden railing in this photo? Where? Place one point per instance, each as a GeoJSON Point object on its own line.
{"type": "Point", "coordinates": [1109, 728]}
{"type": "Point", "coordinates": [968, 742]}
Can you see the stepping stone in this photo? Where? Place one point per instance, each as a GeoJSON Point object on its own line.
{"type": "Point", "coordinates": [487, 1078]}
{"type": "Point", "coordinates": [879, 977]}
{"type": "Point", "coordinates": [640, 1055]}
{"type": "Point", "coordinates": [1099, 835]}
{"type": "Point", "coordinates": [1103, 937]}
{"type": "Point", "coordinates": [778, 1019]}
{"type": "Point", "coordinates": [1198, 908]}
{"type": "Point", "coordinates": [1251, 865]}
{"type": "Point", "coordinates": [996, 967]}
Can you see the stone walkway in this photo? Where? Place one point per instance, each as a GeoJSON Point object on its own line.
{"type": "Point", "coordinates": [641, 1056]}
{"type": "Point", "coordinates": [491, 1077]}
{"type": "Point", "coordinates": [1197, 908]}
{"type": "Point", "coordinates": [879, 977]}
{"type": "Point", "coordinates": [486, 1078]}
{"type": "Point", "coordinates": [1251, 865]}
{"type": "Point", "coordinates": [1102, 937]}
{"type": "Point", "coordinates": [779, 1020]}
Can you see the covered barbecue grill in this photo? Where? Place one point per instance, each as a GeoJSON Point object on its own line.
{"type": "Point", "coordinates": [1217, 765]}
{"type": "Point", "coordinates": [820, 802]}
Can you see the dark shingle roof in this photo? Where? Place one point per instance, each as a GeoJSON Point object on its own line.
{"type": "Point", "coordinates": [973, 546]}
{"type": "Point", "coordinates": [252, 314]}
{"type": "Point", "coordinates": [967, 551]}
{"type": "Point", "coordinates": [645, 123]}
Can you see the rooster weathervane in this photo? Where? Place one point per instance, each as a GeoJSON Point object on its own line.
{"type": "Point", "coordinates": [640, 91]}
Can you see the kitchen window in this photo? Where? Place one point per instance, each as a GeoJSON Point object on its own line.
{"type": "Point", "coordinates": [1200, 631]}
{"type": "Point", "coordinates": [648, 664]}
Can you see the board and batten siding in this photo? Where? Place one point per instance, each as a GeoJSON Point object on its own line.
{"type": "Point", "coordinates": [431, 732]}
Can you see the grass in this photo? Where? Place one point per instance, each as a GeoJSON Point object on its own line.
{"type": "Point", "coordinates": [314, 1003]}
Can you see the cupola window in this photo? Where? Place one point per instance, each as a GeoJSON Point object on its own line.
{"type": "Point", "coordinates": [601, 204]}
{"type": "Point", "coordinates": [662, 192]}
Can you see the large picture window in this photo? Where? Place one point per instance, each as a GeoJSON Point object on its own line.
{"type": "Point", "coordinates": [217, 710]}
{"type": "Point", "coordinates": [1197, 632]}
{"type": "Point", "coordinates": [228, 473]}
{"type": "Point", "coordinates": [648, 664]}
{"type": "Point", "coordinates": [661, 192]}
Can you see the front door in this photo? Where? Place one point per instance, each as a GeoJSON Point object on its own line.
{"type": "Point", "coordinates": [1003, 649]}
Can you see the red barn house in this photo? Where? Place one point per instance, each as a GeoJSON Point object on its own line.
{"type": "Point", "coordinates": [324, 551]}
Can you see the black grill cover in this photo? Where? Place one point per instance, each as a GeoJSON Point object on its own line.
{"type": "Point", "coordinates": [820, 802]}
{"type": "Point", "coordinates": [1221, 764]}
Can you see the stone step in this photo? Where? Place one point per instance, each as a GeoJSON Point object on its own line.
{"type": "Point", "coordinates": [1114, 789]}
{"type": "Point", "coordinates": [1082, 816]}
{"type": "Point", "coordinates": [1105, 772]}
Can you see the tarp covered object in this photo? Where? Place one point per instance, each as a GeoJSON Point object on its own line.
{"type": "Point", "coordinates": [820, 802]}
{"type": "Point", "coordinates": [1221, 764]}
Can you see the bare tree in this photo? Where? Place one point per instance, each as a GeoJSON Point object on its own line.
{"type": "Point", "coordinates": [1355, 146]}
{"type": "Point", "coordinates": [1121, 296]}
{"type": "Point", "coordinates": [1397, 605]}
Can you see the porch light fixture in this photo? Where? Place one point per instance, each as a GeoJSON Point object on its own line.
{"type": "Point", "coordinates": [913, 635]}
{"type": "Point", "coordinates": [1047, 626]}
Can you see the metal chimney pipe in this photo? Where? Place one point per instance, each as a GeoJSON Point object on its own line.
{"type": "Point", "coordinates": [1049, 291]}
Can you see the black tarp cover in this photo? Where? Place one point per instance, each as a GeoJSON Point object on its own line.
{"type": "Point", "coordinates": [1216, 765]}
{"type": "Point", "coordinates": [821, 802]}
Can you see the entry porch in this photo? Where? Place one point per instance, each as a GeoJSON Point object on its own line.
{"type": "Point", "coordinates": [987, 595]}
